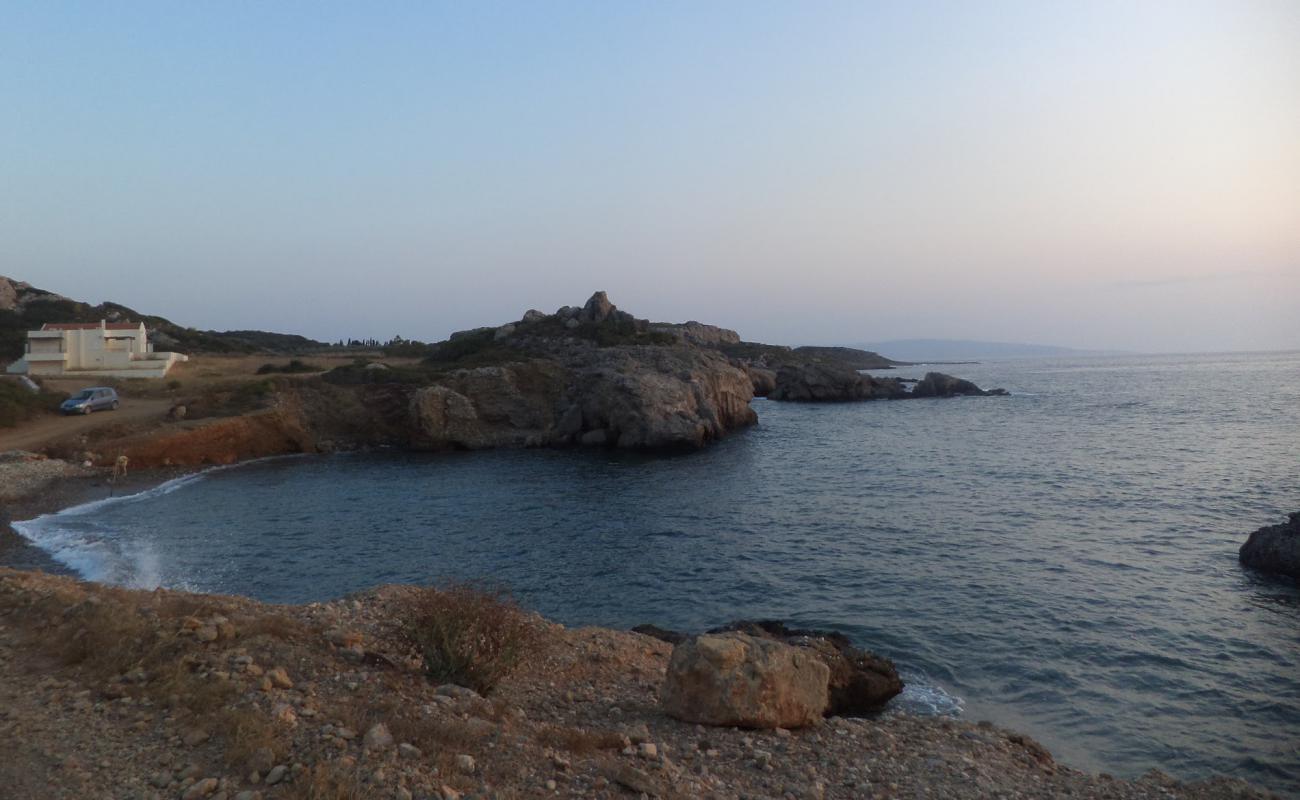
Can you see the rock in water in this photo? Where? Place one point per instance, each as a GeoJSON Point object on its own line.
{"type": "Point", "coordinates": [1275, 548]}
{"type": "Point", "coordinates": [936, 384]}
{"type": "Point", "coordinates": [737, 679]}
{"type": "Point", "coordinates": [825, 383]}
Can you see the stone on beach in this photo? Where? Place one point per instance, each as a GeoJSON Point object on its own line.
{"type": "Point", "coordinates": [739, 680]}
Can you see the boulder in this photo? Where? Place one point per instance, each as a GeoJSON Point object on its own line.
{"type": "Point", "coordinates": [533, 315]}
{"type": "Point", "coordinates": [860, 682]}
{"type": "Point", "coordinates": [377, 738]}
{"type": "Point", "coordinates": [597, 309]}
{"type": "Point", "coordinates": [1275, 548]}
{"type": "Point", "coordinates": [734, 679]}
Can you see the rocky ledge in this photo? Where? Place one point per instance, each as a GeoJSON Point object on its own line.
{"type": "Point", "coordinates": [165, 695]}
{"type": "Point", "coordinates": [1275, 548]}
{"type": "Point", "coordinates": [822, 382]}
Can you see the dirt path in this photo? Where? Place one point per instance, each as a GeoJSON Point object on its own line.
{"type": "Point", "coordinates": [35, 433]}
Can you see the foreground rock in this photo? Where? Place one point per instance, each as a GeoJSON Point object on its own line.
{"type": "Point", "coordinates": [734, 679]}
{"type": "Point", "coordinates": [860, 682]}
{"type": "Point", "coordinates": [1275, 548]}
{"type": "Point", "coordinates": [103, 693]}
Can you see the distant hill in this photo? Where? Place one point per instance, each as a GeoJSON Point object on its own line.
{"type": "Point", "coordinates": [24, 307]}
{"type": "Point", "coordinates": [921, 350]}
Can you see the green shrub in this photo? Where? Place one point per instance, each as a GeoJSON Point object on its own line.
{"type": "Point", "coordinates": [468, 636]}
{"type": "Point", "coordinates": [18, 403]}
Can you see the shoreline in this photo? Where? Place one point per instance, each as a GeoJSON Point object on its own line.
{"type": "Point", "coordinates": [73, 490]}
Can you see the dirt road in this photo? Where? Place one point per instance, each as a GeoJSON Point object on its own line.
{"type": "Point", "coordinates": [33, 434]}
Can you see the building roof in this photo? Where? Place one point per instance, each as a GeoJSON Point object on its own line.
{"type": "Point", "coordinates": [88, 326]}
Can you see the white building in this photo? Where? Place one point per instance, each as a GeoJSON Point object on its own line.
{"type": "Point", "coordinates": [93, 349]}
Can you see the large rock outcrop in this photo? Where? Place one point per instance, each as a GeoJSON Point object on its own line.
{"type": "Point", "coordinates": [738, 680]}
{"type": "Point", "coordinates": [656, 397]}
{"type": "Point", "coordinates": [698, 333]}
{"type": "Point", "coordinates": [1275, 548]}
{"type": "Point", "coordinates": [592, 376]}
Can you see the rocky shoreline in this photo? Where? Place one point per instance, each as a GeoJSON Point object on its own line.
{"type": "Point", "coordinates": [132, 694]}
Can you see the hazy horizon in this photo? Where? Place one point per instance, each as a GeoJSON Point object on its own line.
{"type": "Point", "coordinates": [1102, 177]}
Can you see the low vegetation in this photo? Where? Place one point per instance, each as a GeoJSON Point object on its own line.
{"type": "Point", "coordinates": [18, 403]}
{"type": "Point", "coordinates": [294, 367]}
{"type": "Point", "coordinates": [468, 635]}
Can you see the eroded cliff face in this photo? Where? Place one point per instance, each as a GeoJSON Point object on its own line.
{"type": "Point", "coordinates": [514, 405]}
{"type": "Point", "coordinates": [633, 397]}
{"type": "Point", "coordinates": [657, 397]}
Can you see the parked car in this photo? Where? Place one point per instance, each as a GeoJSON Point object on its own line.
{"type": "Point", "coordinates": [95, 398]}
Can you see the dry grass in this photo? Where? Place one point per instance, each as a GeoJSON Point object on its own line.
{"type": "Point", "coordinates": [245, 731]}
{"type": "Point", "coordinates": [327, 781]}
{"type": "Point", "coordinates": [109, 632]}
{"type": "Point", "coordinates": [468, 636]}
{"type": "Point", "coordinates": [275, 626]}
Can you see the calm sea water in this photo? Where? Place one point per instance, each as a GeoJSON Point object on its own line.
{"type": "Point", "coordinates": [1062, 561]}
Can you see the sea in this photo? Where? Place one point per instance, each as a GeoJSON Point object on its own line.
{"type": "Point", "coordinates": [1061, 561]}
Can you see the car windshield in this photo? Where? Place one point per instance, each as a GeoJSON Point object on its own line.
{"type": "Point", "coordinates": [84, 394]}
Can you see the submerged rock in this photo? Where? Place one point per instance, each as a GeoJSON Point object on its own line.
{"type": "Point", "coordinates": [1275, 548]}
{"type": "Point", "coordinates": [739, 680]}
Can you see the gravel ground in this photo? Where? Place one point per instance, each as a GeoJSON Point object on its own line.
{"type": "Point", "coordinates": [112, 693]}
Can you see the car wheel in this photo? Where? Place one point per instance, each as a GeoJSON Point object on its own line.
{"type": "Point", "coordinates": [86, 409]}
{"type": "Point", "coordinates": [113, 406]}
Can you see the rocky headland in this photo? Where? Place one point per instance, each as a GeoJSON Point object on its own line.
{"type": "Point", "coordinates": [585, 376]}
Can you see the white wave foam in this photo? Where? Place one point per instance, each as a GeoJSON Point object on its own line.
{"type": "Point", "coordinates": [921, 695]}
{"type": "Point", "coordinates": [94, 551]}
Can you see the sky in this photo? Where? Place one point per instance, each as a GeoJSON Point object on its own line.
{"type": "Point", "coordinates": [1102, 175]}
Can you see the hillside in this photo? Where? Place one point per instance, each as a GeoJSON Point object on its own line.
{"type": "Point", "coordinates": [24, 307]}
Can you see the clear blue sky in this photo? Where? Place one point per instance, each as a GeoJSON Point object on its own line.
{"type": "Point", "coordinates": [1101, 175]}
